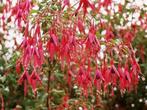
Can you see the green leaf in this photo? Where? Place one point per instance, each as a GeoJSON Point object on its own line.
{"type": "Point", "coordinates": [34, 11]}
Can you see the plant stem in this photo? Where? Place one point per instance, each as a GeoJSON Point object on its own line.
{"type": "Point", "coordinates": [48, 91]}
{"type": "Point", "coordinates": [2, 102]}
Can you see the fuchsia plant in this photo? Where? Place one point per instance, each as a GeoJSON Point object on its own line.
{"type": "Point", "coordinates": [74, 39]}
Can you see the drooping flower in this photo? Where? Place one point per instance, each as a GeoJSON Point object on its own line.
{"type": "Point", "coordinates": [84, 4]}
{"type": "Point", "coordinates": [128, 37]}
{"type": "Point", "coordinates": [66, 3]}
{"type": "Point", "coordinates": [69, 77]}
{"type": "Point", "coordinates": [109, 34]}
{"type": "Point", "coordinates": [92, 43]}
{"type": "Point", "coordinates": [21, 11]}
{"type": "Point", "coordinates": [80, 25]}
{"type": "Point", "coordinates": [67, 46]}
{"type": "Point", "coordinates": [99, 79]}
{"type": "Point", "coordinates": [25, 78]}
{"type": "Point", "coordinates": [106, 3]}
{"type": "Point", "coordinates": [52, 43]}
{"type": "Point", "coordinates": [34, 80]}
{"type": "Point", "coordinates": [18, 66]}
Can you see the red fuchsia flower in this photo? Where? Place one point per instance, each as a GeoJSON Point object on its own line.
{"type": "Point", "coordinates": [41, 53]}
{"type": "Point", "coordinates": [34, 80]}
{"type": "Point", "coordinates": [129, 37]}
{"type": "Point", "coordinates": [127, 74]}
{"type": "Point", "coordinates": [6, 9]}
{"type": "Point", "coordinates": [109, 34]}
{"type": "Point", "coordinates": [67, 47]}
{"type": "Point", "coordinates": [92, 43]}
{"type": "Point", "coordinates": [105, 72]}
{"type": "Point", "coordinates": [114, 75]}
{"type": "Point", "coordinates": [33, 55]}
{"type": "Point", "coordinates": [141, 52]}
{"type": "Point", "coordinates": [51, 49]}
{"type": "Point", "coordinates": [18, 67]}
{"type": "Point", "coordinates": [84, 4]}
{"type": "Point", "coordinates": [69, 77]}
{"type": "Point", "coordinates": [99, 75]}
{"type": "Point", "coordinates": [3, 22]}
{"type": "Point", "coordinates": [21, 11]}
{"type": "Point", "coordinates": [52, 44]}
{"type": "Point", "coordinates": [37, 33]}
{"type": "Point", "coordinates": [54, 37]}
{"type": "Point", "coordinates": [32, 48]}
{"type": "Point", "coordinates": [37, 57]}
{"type": "Point", "coordinates": [113, 69]}
{"type": "Point", "coordinates": [111, 76]}
{"type": "Point", "coordinates": [26, 56]}
{"type": "Point", "coordinates": [65, 101]}
{"type": "Point", "coordinates": [83, 80]}
{"type": "Point", "coordinates": [38, 50]}
{"type": "Point", "coordinates": [99, 79]}
{"type": "Point", "coordinates": [106, 3]}
{"type": "Point", "coordinates": [123, 81]}
{"type": "Point", "coordinates": [80, 76]}
{"type": "Point", "coordinates": [127, 79]}
{"type": "Point", "coordinates": [66, 3]}
{"type": "Point", "coordinates": [64, 104]}
{"type": "Point", "coordinates": [25, 78]}
{"type": "Point", "coordinates": [87, 82]}
{"type": "Point", "coordinates": [91, 34]}
{"type": "Point", "coordinates": [28, 51]}
{"type": "Point", "coordinates": [103, 3]}
{"type": "Point", "coordinates": [80, 25]}
{"type": "Point", "coordinates": [134, 71]}
{"type": "Point", "coordinates": [120, 8]}
{"type": "Point", "coordinates": [136, 67]}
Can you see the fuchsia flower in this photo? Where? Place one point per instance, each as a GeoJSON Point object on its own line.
{"type": "Point", "coordinates": [84, 4]}
{"type": "Point", "coordinates": [84, 80]}
{"type": "Point", "coordinates": [21, 11]}
{"type": "Point", "coordinates": [92, 43]}
{"type": "Point", "coordinates": [98, 79]}
{"type": "Point", "coordinates": [25, 78]}
{"type": "Point", "coordinates": [70, 44]}
{"type": "Point", "coordinates": [66, 3]}
{"type": "Point", "coordinates": [34, 79]}
{"type": "Point", "coordinates": [33, 55]}
{"type": "Point", "coordinates": [37, 58]}
{"type": "Point", "coordinates": [129, 37]}
{"type": "Point", "coordinates": [67, 47]}
{"type": "Point", "coordinates": [3, 22]}
{"type": "Point", "coordinates": [99, 75]}
{"type": "Point", "coordinates": [103, 4]}
{"type": "Point", "coordinates": [109, 34]}
{"type": "Point", "coordinates": [113, 70]}
{"type": "Point", "coordinates": [18, 67]}
{"type": "Point", "coordinates": [65, 101]}
{"type": "Point", "coordinates": [106, 3]}
{"type": "Point", "coordinates": [52, 44]}
{"type": "Point", "coordinates": [51, 49]}
{"type": "Point", "coordinates": [6, 9]}
{"type": "Point", "coordinates": [80, 25]}
{"type": "Point", "coordinates": [69, 77]}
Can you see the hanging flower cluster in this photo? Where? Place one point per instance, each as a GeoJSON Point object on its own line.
{"type": "Point", "coordinates": [77, 43]}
